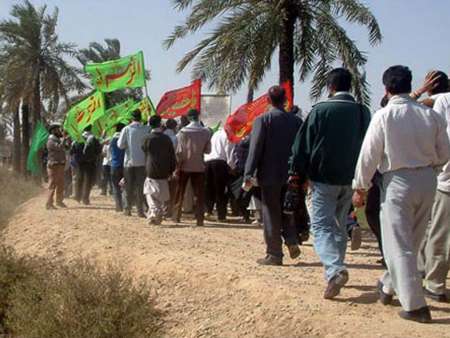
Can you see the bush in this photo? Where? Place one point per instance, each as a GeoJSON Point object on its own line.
{"type": "Point", "coordinates": [80, 300]}
{"type": "Point", "coordinates": [14, 191]}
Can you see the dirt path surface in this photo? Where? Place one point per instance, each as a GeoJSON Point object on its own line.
{"type": "Point", "coordinates": [207, 282]}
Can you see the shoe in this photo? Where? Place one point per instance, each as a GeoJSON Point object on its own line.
{"type": "Point", "coordinates": [356, 238]}
{"type": "Point", "coordinates": [304, 236]}
{"type": "Point", "coordinates": [270, 260]}
{"type": "Point", "coordinates": [200, 223]}
{"type": "Point", "coordinates": [335, 285]}
{"type": "Point", "coordinates": [441, 298]}
{"type": "Point", "coordinates": [222, 220]}
{"type": "Point", "coordinates": [61, 205]}
{"type": "Point", "coordinates": [421, 315]}
{"type": "Point", "coordinates": [294, 251]}
{"type": "Point", "coordinates": [385, 298]}
{"type": "Point", "coordinates": [50, 207]}
{"type": "Point", "coordinates": [141, 214]}
{"type": "Point", "coordinates": [127, 212]}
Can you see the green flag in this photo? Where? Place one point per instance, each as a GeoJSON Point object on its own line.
{"type": "Point", "coordinates": [38, 142]}
{"type": "Point", "coordinates": [126, 72]}
{"type": "Point", "coordinates": [83, 114]}
{"type": "Point", "coordinates": [216, 128]}
{"type": "Point", "coordinates": [116, 114]}
{"type": "Point", "coordinates": [146, 107]}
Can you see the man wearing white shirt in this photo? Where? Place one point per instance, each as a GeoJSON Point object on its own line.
{"type": "Point", "coordinates": [218, 164]}
{"type": "Point", "coordinates": [405, 141]}
{"type": "Point", "coordinates": [436, 246]}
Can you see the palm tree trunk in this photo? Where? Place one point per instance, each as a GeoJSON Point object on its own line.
{"type": "Point", "coordinates": [25, 135]}
{"type": "Point", "coordinates": [16, 140]}
{"type": "Point", "coordinates": [286, 52]}
{"type": "Point", "coordinates": [250, 94]}
{"type": "Point", "coordinates": [36, 103]}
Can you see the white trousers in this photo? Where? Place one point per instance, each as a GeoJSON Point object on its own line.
{"type": "Point", "coordinates": [406, 201]}
{"type": "Point", "coordinates": [157, 194]}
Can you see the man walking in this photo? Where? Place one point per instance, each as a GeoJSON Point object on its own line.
{"type": "Point", "coordinates": [117, 159]}
{"type": "Point", "coordinates": [56, 160]}
{"type": "Point", "coordinates": [406, 141]}
{"type": "Point", "coordinates": [89, 153]}
{"type": "Point", "coordinates": [160, 163]}
{"type": "Point", "coordinates": [193, 143]}
{"type": "Point", "coordinates": [219, 163]}
{"type": "Point", "coordinates": [436, 246]}
{"type": "Point", "coordinates": [131, 140]}
{"type": "Point", "coordinates": [326, 150]}
{"type": "Point", "coordinates": [270, 148]}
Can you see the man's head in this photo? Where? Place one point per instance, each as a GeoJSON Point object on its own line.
{"type": "Point", "coordinates": [171, 124]}
{"type": "Point", "coordinates": [136, 116]}
{"type": "Point", "coordinates": [193, 115]}
{"type": "Point", "coordinates": [441, 82]}
{"type": "Point", "coordinates": [55, 129]}
{"type": "Point", "coordinates": [155, 121]}
{"type": "Point", "coordinates": [397, 80]}
{"type": "Point", "coordinates": [339, 80]}
{"type": "Point", "coordinates": [88, 128]}
{"type": "Point", "coordinates": [119, 127]}
{"type": "Point", "coordinates": [277, 96]}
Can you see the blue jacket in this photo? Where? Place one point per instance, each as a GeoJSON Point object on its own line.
{"type": "Point", "coordinates": [117, 154]}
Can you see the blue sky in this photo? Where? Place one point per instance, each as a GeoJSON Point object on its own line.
{"type": "Point", "coordinates": [415, 34]}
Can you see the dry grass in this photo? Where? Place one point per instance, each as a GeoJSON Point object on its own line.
{"type": "Point", "coordinates": [14, 190]}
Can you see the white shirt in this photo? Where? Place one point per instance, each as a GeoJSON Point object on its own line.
{"type": "Point", "coordinates": [173, 137]}
{"type": "Point", "coordinates": [404, 134]}
{"type": "Point", "coordinates": [221, 148]}
{"type": "Point", "coordinates": [442, 106]}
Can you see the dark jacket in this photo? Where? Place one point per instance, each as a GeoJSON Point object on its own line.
{"type": "Point", "coordinates": [270, 147]}
{"type": "Point", "coordinates": [160, 158]}
{"type": "Point", "coordinates": [327, 146]}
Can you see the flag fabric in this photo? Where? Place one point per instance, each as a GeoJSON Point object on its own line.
{"type": "Point", "coordinates": [146, 107]}
{"type": "Point", "coordinates": [38, 142]}
{"type": "Point", "coordinates": [216, 127]}
{"type": "Point", "coordinates": [119, 113]}
{"type": "Point", "coordinates": [178, 102]}
{"type": "Point", "coordinates": [126, 72]}
{"type": "Point", "coordinates": [83, 114]}
{"type": "Point", "coordinates": [239, 124]}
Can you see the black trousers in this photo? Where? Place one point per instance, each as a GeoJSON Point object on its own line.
{"type": "Point", "coordinates": [87, 173]}
{"type": "Point", "coordinates": [276, 224]}
{"type": "Point", "coordinates": [134, 188]}
{"type": "Point", "coordinates": [373, 213]}
{"type": "Point", "coordinates": [116, 176]}
{"type": "Point", "coordinates": [217, 179]}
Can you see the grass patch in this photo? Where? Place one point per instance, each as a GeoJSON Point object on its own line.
{"type": "Point", "coordinates": [14, 190]}
{"type": "Point", "coordinates": [39, 299]}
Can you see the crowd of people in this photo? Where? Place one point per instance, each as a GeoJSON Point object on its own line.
{"type": "Point", "coordinates": [299, 176]}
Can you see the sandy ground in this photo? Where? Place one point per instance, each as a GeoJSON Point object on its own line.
{"type": "Point", "coordinates": [206, 279]}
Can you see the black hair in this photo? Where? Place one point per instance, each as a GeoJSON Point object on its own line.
{"type": "Point", "coordinates": [277, 95]}
{"type": "Point", "coordinates": [136, 115]}
{"type": "Point", "coordinates": [384, 101]}
{"type": "Point", "coordinates": [155, 121]}
{"type": "Point", "coordinates": [88, 128]}
{"type": "Point", "coordinates": [193, 114]}
{"type": "Point", "coordinates": [340, 80]}
{"type": "Point", "coordinates": [441, 83]}
{"type": "Point", "coordinates": [119, 127]}
{"type": "Point", "coordinates": [397, 80]}
{"type": "Point", "coordinates": [171, 124]}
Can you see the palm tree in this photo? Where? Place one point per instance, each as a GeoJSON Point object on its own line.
{"type": "Point", "coordinates": [34, 58]}
{"type": "Point", "coordinates": [306, 33]}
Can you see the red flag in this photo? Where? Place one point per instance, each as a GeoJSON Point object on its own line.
{"type": "Point", "coordinates": [239, 124]}
{"type": "Point", "coordinates": [179, 101]}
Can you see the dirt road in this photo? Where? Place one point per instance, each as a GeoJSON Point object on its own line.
{"type": "Point", "coordinates": [207, 282]}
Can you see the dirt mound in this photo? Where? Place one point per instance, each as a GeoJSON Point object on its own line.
{"type": "Point", "coordinates": [208, 284]}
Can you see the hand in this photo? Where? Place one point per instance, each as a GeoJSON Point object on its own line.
{"type": "Point", "coordinates": [359, 198]}
{"type": "Point", "coordinates": [429, 83]}
{"type": "Point", "coordinates": [176, 173]}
